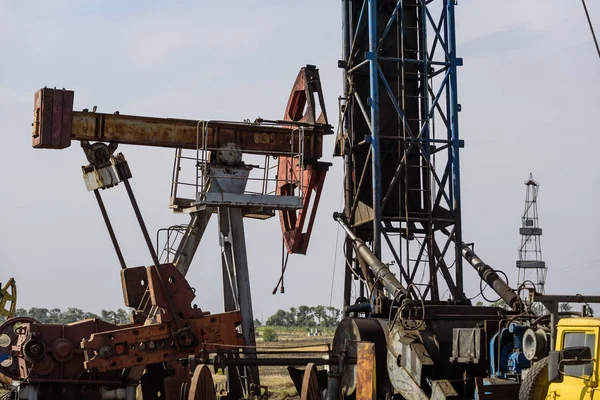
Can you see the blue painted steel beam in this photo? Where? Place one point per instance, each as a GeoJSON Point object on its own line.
{"type": "Point", "coordinates": [374, 104]}
{"type": "Point", "coordinates": [358, 26]}
{"type": "Point", "coordinates": [454, 108]}
{"type": "Point", "coordinates": [391, 21]}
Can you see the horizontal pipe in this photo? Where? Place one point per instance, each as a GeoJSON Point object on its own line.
{"type": "Point", "coordinates": [413, 61]}
{"type": "Point", "coordinates": [274, 361]}
{"type": "Point", "coordinates": [79, 382]}
{"type": "Point", "coordinates": [578, 298]}
{"type": "Point", "coordinates": [296, 361]}
{"type": "Point", "coordinates": [325, 352]}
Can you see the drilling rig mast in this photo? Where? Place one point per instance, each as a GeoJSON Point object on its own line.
{"type": "Point", "coordinates": [400, 140]}
{"type": "Point", "coordinates": [530, 265]}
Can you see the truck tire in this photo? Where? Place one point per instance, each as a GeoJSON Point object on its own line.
{"type": "Point", "coordinates": [535, 385]}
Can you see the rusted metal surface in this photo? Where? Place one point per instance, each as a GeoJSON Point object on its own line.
{"type": "Point", "coordinates": [52, 118]}
{"type": "Point", "coordinates": [275, 140]}
{"type": "Point", "coordinates": [349, 332]}
{"type": "Point", "coordinates": [176, 287]}
{"type": "Point", "coordinates": [366, 382]}
{"type": "Point", "coordinates": [161, 339]}
{"type": "Point", "coordinates": [156, 343]}
{"type": "Point", "coordinates": [296, 225]}
{"type": "Point", "coordinates": [52, 352]}
{"type": "Point", "coordinates": [135, 283]}
{"type": "Point", "coordinates": [96, 353]}
{"type": "Point", "coordinates": [301, 106]}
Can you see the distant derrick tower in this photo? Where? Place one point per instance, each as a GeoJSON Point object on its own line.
{"type": "Point", "coordinates": [530, 265]}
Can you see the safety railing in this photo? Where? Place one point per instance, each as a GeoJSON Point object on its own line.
{"type": "Point", "coordinates": [192, 170]}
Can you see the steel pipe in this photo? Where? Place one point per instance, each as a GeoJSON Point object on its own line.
{"type": "Point", "coordinates": [489, 275]}
{"type": "Point", "coordinates": [380, 270]}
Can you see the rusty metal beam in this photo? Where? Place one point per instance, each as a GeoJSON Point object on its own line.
{"type": "Point", "coordinates": [56, 125]}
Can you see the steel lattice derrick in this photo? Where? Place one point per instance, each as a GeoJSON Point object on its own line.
{"type": "Point", "coordinates": [399, 136]}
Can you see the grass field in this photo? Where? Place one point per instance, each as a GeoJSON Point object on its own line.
{"type": "Point", "coordinates": [276, 379]}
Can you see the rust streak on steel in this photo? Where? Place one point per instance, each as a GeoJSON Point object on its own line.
{"type": "Point", "coordinates": [365, 371]}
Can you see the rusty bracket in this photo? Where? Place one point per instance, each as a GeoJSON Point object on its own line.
{"type": "Point", "coordinates": [156, 343]}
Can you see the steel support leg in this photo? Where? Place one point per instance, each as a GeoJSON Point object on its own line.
{"type": "Point", "coordinates": [374, 102]}
{"type": "Point", "coordinates": [236, 290]}
{"type": "Point", "coordinates": [191, 239]}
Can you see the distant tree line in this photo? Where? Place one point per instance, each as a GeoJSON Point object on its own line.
{"type": "Point", "coordinates": [305, 316]}
{"type": "Point", "coordinates": [71, 314]}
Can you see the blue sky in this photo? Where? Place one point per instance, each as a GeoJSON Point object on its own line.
{"type": "Point", "coordinates": [529, 91]}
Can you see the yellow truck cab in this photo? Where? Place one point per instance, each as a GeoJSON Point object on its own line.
{"type": "Point", "coordinates": [572, 370]}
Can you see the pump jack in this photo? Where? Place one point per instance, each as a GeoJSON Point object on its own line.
{"type": "Point", "coordinates": [165, 327]}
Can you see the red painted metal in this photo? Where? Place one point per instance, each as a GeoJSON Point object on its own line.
{"type": "Point", "coordinates": [296, 225]}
